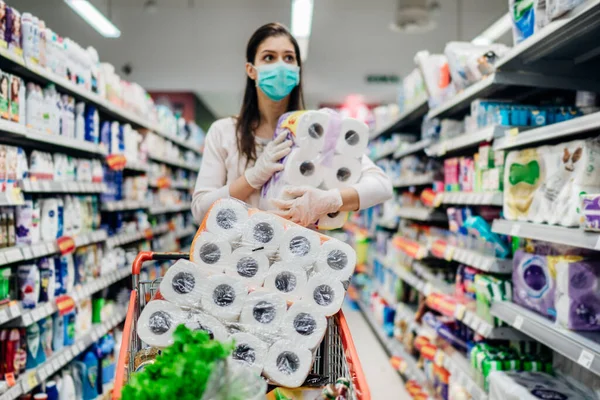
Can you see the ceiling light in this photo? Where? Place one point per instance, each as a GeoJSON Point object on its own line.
{"type": "Point", "coordinates": [494, 32]}
{"type": "Point", "coordinates": [95, 18]}
{"type": "Point", "coordinates": [302, 11]}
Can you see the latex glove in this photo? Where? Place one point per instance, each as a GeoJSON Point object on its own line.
{"type": "Point", "coordinates": [268, 162]}
{"type": "Point", "coordinates": [306, 204]}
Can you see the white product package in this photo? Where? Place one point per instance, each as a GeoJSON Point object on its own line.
{"type": "Point", "coordinates": [182, 282]}
{"type": "Point", "coordinates": [250, 266]}
{"type": "Point", "coordinates": [300, 245]}
{"type": "Point", "coordinates": [249, 351]}
{"type": "Point", "coordinates": [353, 138]}
{"type": "Point", "coordinates": [287, 364]}
{"type": "Point", "coordinates": [200, 321]}
{"type": "Point", "coordinates": [223, 296]}
{"type": "Point", "coordinates": [336, 259]}
{"type": "Point", "coordinates": [535, 386]}
{"type": "Point", "coordinates": [227, 218]}
{"type": "Point", "coordinates": [158, 321]}
{"type": "Point", "coordinates": [324, 294]}
{"type": "Point", "coordinates": [342, 172]}
{"type": "Point", "coordinates": [263, 231]}
{"type": "Point", "coordinates": [332, 221]}
{"type": "Point", "coordinates": [212, 251]}
{"type": "Point", "coordinates": [286, 279]}
{"type": "Point", "coordinates": [305, 325]}
{"type": "Point", "coordinates": [264, 311]}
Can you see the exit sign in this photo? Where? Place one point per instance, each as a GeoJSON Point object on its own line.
{"type": "Point", "coordinates": [383, 79]}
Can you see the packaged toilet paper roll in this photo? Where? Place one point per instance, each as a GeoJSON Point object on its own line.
{"type": "Point", "coordinates": [263, 231]}
{"type": "Point", "coordinates": [250, 266]}
{"type": "Point", "coordinates": [181, 284]}
{"type": "Point", "coordinates": [299, 246]}
{"type": "Point", "coordinates": [353, 139]}
{"type": "Point", "coordinates": [211, 251]}
{"type": "Point", "coordinates": [264, 311]}
{"type": "Point", "coordinates": [286, 279]}
{"type": "Point", "coordinates": [199, 321]}
{"type": "Point", "coordinates": [336, 259]}
{"type": "Point", "coordinates": [227, 218]}
{"type": "Point", "coordinates": [304, 325]}
{"type": "Point", "coordinates": [332, 221]}
{"type": "Point", "coordinates": [223, 296]}
{"type": "Point", "coordinates": [303, 168]}
{"type": "Point", "coordinates": [249, 351]}
{"type": "Point", "coordinates": [158, 321]}
{"type": "Point", "coordinates": [287, 364]}
{"type": "Point", "coordinates": [307, 128]}
{"type": "Point", "coordinates": [343, 172]}
{"type": "Point", "coordinates": [324, 294]}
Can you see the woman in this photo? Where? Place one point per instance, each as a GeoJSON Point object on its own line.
{"type": "Point", "coordinates": [240, 155]}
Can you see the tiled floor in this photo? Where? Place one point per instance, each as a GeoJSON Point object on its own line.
{"type": "Point", "coordinates": [384, 382]}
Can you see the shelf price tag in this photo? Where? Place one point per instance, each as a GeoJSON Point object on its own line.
{"type": "Point", "coordinates": [459, 312]}
{"type": "Point", "coordinates": [3, 316]}
{"type": "Point", "coordinates": [10, 379]}
{"type": "Point", "coordinates": [32, 380]}
{"type": "Point", "coordinates": [518, 322]}
{"type": "Point", "coordinates": [585, 359]}
{"type": "Point", "coordinates": [514, 231]}
{"type": "Point", "coordinates": [66, 245]}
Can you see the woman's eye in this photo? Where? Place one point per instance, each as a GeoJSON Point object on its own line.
{"type": "Point", "coordinates": [268, 57]}
{"type": "Point", "coordinates": [290, 58]}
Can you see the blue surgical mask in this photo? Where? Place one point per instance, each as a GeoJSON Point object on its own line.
{"type": "Point", "coordinates": [277, 80]}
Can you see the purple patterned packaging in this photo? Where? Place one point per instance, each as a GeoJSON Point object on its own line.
{"type": "Point", "coordinates": [534, 285]}
{"type": "Point", "coordinates": [590, 212]}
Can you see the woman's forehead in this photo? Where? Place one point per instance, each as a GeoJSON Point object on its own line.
{"type": "Point", "coordinates": [279, 44]}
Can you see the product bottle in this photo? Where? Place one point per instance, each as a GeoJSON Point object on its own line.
{"type": "Point", "coordinates": [35, 353]}
{"type": "Point", "coordinates": [67, 388]}
{"type": "Point", "coordinates": [47, 279]}
{"type": "Point", "coordinates": [10, 227]}
{"type": "Point", "coordinates": [29, 285]}
{"type": "Point", "coordinates": [36, 232]}
{"type": "Point", "coordinates": [61, 217]}
{"type": "Point", "coordinates": [28, 35]}
{"type": "Point", "coordinates": [49, 220]}
{"type": "Point", "coordinates": [24, 222]}
{"type": "Point", "coordinates": [58, 339]}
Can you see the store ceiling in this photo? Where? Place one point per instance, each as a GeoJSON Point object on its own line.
{"type": "Point", "coordinates": [199, 45]}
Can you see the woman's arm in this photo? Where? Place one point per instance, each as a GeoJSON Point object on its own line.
{"type": "Point", "coordinates": [374, 187]}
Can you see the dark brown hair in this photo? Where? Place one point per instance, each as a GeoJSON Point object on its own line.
{"type": "Point", "coordinates": [249, 117]}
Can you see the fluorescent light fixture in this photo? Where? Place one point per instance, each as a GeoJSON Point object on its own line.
{"type": "Point", "coordinates": [302, 12]}
{"type": "Point", "coordinates": [495, 31]}
{"type": "Point", "coordinates": [95, 18]}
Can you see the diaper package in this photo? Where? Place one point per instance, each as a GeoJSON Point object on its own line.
{"type": "Point", "coordinates": [589, 218]}
{"type": "Point", "coordinates": [534, 280]}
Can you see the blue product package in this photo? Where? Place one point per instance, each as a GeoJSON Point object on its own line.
{"type": "Point", "coordinates": [69, 328]}
{"type": "Point", "coordinates": [35, 351]}
{"type": "Point", "coordinates": [478, 227]}
{"type": "Point", "coordinates": [61, 276]}
{"type": "Point", "coordinates": [89, 375]}
{"type": "Point", "coordinates": [61, 218]}
{"type": "Point", "coordinates": [105, 136]}
{"type": "Point", "coordinates": [107, 347]}
{"type": "Point", "coordinates": [91, 124]}
{"type": "Point", "coordinates": [121, 137]}
{"type": "Point", "coordinates": [523, 19]}
{"type": "Point", "coordinates": [538, 117]}
{"type": "Point", "coordinates": [58, 332]}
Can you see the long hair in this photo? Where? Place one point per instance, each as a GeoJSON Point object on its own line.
{"type": "Point", "coordinates": [249, 118]}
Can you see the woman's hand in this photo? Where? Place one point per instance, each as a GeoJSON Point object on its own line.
{"type": "Point", "coordinates": [268, 162]}
{"type": "Point", "coordinates": [308, 204]}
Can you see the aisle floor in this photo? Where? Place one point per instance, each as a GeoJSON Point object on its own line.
{"type": "Point", "coordinates": [384, 382]}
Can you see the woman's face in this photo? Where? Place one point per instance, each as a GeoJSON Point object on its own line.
{"type": "Point", "coordinates": [273, 50]}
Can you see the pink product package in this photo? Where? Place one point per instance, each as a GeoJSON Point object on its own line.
{"type": "Point", "coordinates": [466, 174]}
{"type": "Point", "coordinates": [451, 172]}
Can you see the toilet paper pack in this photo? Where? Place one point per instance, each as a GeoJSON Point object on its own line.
{"type": "Point", "coordinates": [158, 321]}
{"type": "Point", "coordinates": [534, 282]}
{"type": "Point", "coordinates": [287, 364]}
{"type": "Point", "coordinates": [181, 283]}
{"type": "Point", "coordinates": [535, 386]}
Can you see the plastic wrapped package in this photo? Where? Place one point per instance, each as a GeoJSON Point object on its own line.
{"type": "Point", "coordinates": [250, 351]}
{"type": "Point", "coordinates": [158, 321]}
{"type": "Point", "coordinates": [211, 250]}
{"type": "Point", "coordinates": [536, 385]}
{"type": "Point", "coordinates": [181, 284]}
{"type": "Point", "coordinates": [200, 321]}
{"type": "Point", "coordinates": [287, 363]}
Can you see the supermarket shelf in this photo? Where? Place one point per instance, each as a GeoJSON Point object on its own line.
{"type": "Point", "coordinates": [183, 185]}
{"type": "Point", "coordinates": [124, 238]}
{"type": "Point", "coordinates": [24, 253]}
{"type": "Point", "coordinates": [29, 186]}
{"type": "Point", "coordinates": [408, 117]}
{"type": "Point", "coordinates": [499, 82]}
{"type": "Point", "coordinates": [465, 140]}
{"type": "Point", "coordinates": [460, 368]}
{"type": "Point", "coordinates": [420, 214]}
{"type": "Point", "coordinates": [154, 210]}
{"type": "Point", "coordinates": [548, 233]}
{"type": "Point", "coordinates": [11, 197]}
{"type": "Point", "coordinates": [438, 284]}
{"type": "Point", "coordinates": [385, 154]}
{"type": "Point", "coordinates": [59, 359]}
{"type": "Point", "coordinates": [175, 163]}
{"type": "Point", "coordinates": [561, 130]}
{"type": "Point", "coordinates": [412, 148]}
{"type": "Point", "coordinates": [136, 165]}
{"type": "Point", "coordinates": [486, 198]}
{"type": "Point", "coordinates": [572, 37]}
{"type": "Point", "coordinates": [187, 231]}
{"type": "Point", "coordinates": [425, 179]}
{"type": "Point", "coordinates": [482, 262]}
{"type": "Point", "coordinates": [581, 347]}
{"type": "Point", "coordinates": [16, 316]}
{"type": "Point", "coordinates": [125, 205]}
{"type": "Point", "coordinates": [181, 142]}
{"type": "Point", "coordinates": [411, 248]}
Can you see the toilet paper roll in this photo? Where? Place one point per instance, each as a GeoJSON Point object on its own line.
{"type": "Point", "coordinates": [336, 259]}
{"type": "Point", "coordinates": [304, 325]}
{"type": "Point", "coordinates": [286, 279]}
{"type": "Point", "coordinates": [249, 351]}
{"type": "Point", "coordinates": [299, 246]}
{"type": "Point", "coordinates": [263, 231]}
{"type": "Point", "coordinates": [332, 221]}
{"type": "Point", "coordinates": [211, 251]}
{"type": "Point", "coordinates": [343, 172]}
{"type": "Point", "coordinates": [353, 139]}
{"type": "Point", "coordinates": [250, 266]}
{"type": "Point", "coordinates": [324, 294]}
{"type": "Point", "coordinates": [204, 322]}
{"type": "Point", "coordinates": [158, 321]}
{"type": "Point", "coordinates": [303, 167]}
{"type": "Point", "coordinates": [308, 128]}
{"type": "Point", "coordinates": [181, 284]}
{"type": "Point", "coordinates": [223, 296]}
{"type": "Point", "coordinates": [287, 364]}
{"type": "Point", "coordinates": [264, 311]}
{"type": "Point", "coordinates": [227, 218]}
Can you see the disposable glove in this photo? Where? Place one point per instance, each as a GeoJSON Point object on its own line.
{"type": "Point", "coordinates": [304, 205]}
{"type": "Point", "coordinates": [267, 164]}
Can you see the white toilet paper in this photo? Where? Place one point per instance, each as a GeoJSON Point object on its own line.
{"type": "Point", "coordinates": [353, 139]}
{"type": "Point", "coordinates": [343, 172]}
{"type": "Point", "coordinates": [249, 351]}
{"type": "Point", "coordinates": [199, 321]}
{"type": "Point", "coordinates": [223, 296]}
{"type": "Point", "coordinates": [263, 231]}
{"type": "Point", "coordinates": [287, 364]}
{"type": "Point", "coordinates": [250, 266]}
{"type": "Point", "coordinates": [211, 251]}
{"type": "Point", "coordinates": [309, 130]}
{"type": "Point", "coordinates": [299, 246]}
{"type": "Point", "coordinates": [324, 294]}
{"type": "Point", "coordinates": [181, 284]}
{"type": "Point", "coordinates": [304, 325]}
{"type": "Point", "coordinates": [336, 259]}
{"type": "Point", "coordinates": [264, 311]}
{"type": "Point", "coordinates": [158, 321]}
{"type": "Point", "coordinates": [227, 218]}
{"type": "Point", "coordinates": [332, 221]}
{"type": "Point", "coordinates": [286, 279]}
{"type": "Point", "coordinates": [303, 167]}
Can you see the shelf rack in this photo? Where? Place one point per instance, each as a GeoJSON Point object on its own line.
{"type": "Point", "coordinates": [408, 117]}
{"type": "Point", "coordinates": [420, 180]}
{"type": "Point", "coordinates": [466, 140]}
{"type": "Point", "coordinates": [421, 214]}
{"type": "Point", "coordinates": [484, 198]}
{"type": "Point", "coordinates": [175, 163]}
{"type": "Point", "coordinates": [41, 186]}
{"type": "Point", "coordinates": [413, 148]}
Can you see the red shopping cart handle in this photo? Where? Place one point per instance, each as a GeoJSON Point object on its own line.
{"type": "Point", "coordinates": [145, 256]}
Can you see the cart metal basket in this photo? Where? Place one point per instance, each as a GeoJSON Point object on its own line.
{"type": "Point", "coordinates": [335, 357]}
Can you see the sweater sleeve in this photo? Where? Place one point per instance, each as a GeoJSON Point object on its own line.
{"type": "Point", "coordinates": [212, 177]}
{"type": "Point", "coordinates": [374, 186]}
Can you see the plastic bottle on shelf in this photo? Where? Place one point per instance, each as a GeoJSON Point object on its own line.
{"type": "Point", "coordinates": [43, 52]}
{"type": "Point", "coordinates": [80, 121]}
{"type": "Point", "coordinates": [92, 125]}
{"type": "Point", "coordinates": [96, 80]}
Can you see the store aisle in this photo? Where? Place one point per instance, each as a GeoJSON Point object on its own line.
{"type": "Point", "coordinates": [381, 377]}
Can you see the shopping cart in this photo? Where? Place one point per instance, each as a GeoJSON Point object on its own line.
{"type": "Point", "coordinates": [335, 357]}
